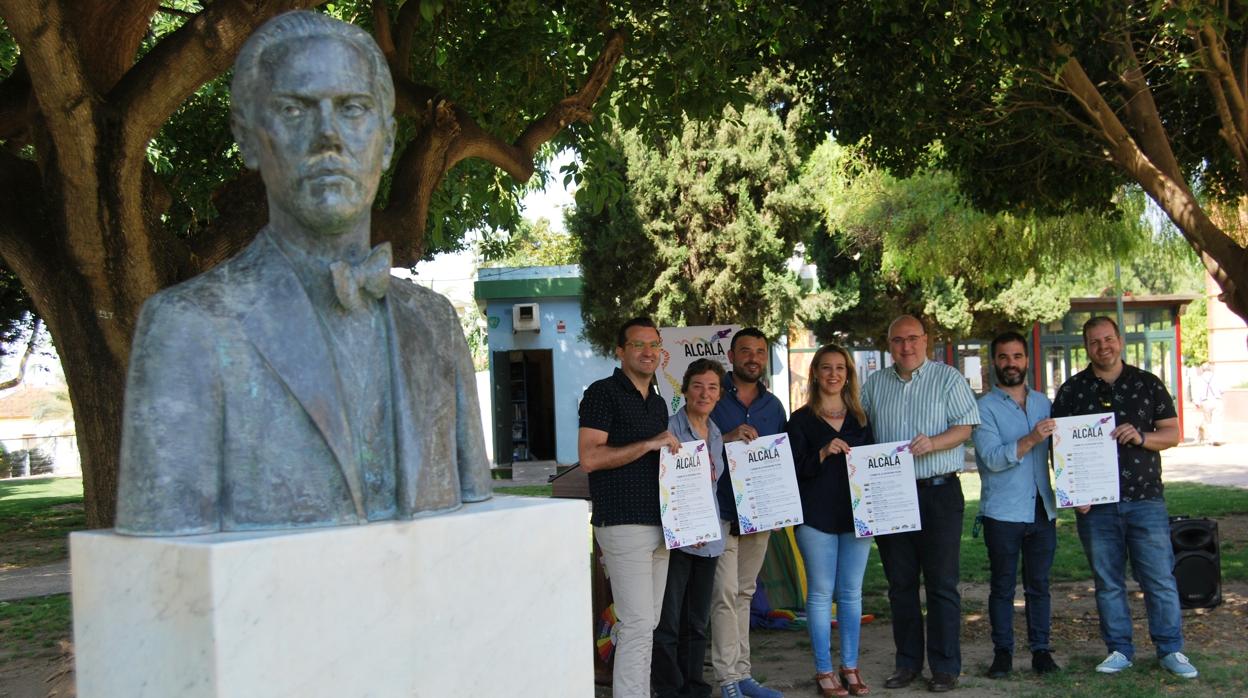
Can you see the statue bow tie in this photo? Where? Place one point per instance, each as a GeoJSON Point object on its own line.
{"type": "Point", "coordinates": [371, 276]}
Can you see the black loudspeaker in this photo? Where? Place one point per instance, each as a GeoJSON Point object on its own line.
{"type": "Point", "coordinates": [1197, 561]}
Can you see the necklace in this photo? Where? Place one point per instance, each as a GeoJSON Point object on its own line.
{"type": "Point", "coordinates": [833, 414]}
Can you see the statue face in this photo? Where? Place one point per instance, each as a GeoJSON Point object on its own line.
{"type": "Point", "coordinates": [318, 135]}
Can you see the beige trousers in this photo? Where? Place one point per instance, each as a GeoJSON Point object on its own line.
{"type": "Point", "coordinates": [736, 575]}
{"type": "Point", "coordinates": [636, 562]}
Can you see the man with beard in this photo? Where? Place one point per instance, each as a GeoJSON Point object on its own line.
{"type": "Point", "coordinates": [746, 411]}
{"type": "Point", "coordinates": [931, 406]}
{"type": "Point", "coordinates": [1016, 503]}
{"type": "Point", "coordinates": [1137, 526]}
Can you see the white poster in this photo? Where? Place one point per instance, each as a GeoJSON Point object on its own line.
{"type": "Point", "coordinates": [1085, 460]}
{"type": "Point", "coordinates": [882, 490]}
{"type": "Point", "coordinates": [686, 498]}
{"type": "Point", "coordinates": [764, 482]}
{"type": "Point", "coordinates": [681, 347]}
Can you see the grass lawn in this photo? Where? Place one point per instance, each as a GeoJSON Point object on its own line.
{"type": "Point", "coordinates": [1069, 564]}
{"type": "Point", "coordinates": [32, 627]}
{"type": "Point", "coordinates": [526, 490]}
{"type": "Point", "coordinates": [35, 518]}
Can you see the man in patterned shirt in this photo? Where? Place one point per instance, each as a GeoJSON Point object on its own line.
{"type": "Point", "coordinates": [623, 426]}
{"type": "Point", "coordinates": [931, 406]}
{"type": "Point", "coordinates": [1137, 526]}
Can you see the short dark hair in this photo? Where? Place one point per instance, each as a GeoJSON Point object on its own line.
{"type": "Point", "coordinates": [640, 321]}
{"type": "Point", "coordinates": [1005, 338]}
{"type": "Point", "coordinates": [1100, 320]}
{"type": "Point", "coordinates": [747, 332]}
{"type": "Point", "coordinates": [699, 367]}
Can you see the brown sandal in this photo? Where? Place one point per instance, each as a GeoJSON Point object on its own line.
{"type": "Point", "coordinates": [853, 682]}
{"type": "Point", "coordinates": [829, 685]}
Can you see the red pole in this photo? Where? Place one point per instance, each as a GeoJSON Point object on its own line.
{"type": "Point", "coordinates": [1178, 362]}
{"type": "Point", "coordinates": [1037, 362]}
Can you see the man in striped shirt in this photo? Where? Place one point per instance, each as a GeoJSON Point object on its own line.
{"type": "Point", "coordinates": [931, 406]}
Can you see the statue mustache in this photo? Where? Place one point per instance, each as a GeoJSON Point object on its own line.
{"type": "Point", "coordinates": [328, 164]}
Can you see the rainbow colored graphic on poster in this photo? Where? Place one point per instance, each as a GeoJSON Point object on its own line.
{"type": "Point", "coordinates": [681, 347]}
{"type": "Point", "coordinates": [1085, 460]}
{"type": "Point", "coordinates": [882, 489]}
{"type": "Point", "coordinates": [686, 496]}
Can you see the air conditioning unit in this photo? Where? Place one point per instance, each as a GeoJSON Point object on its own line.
{"type": "Point", "coordinates": [525, 317]}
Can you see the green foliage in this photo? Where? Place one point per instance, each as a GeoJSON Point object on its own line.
{"type": "Point", "coordinates": [526, 490]}
{"type": "Point", "coordinates": [706, 224]}
{"type": "Point", "coordinates": [918, 245]}
{"type": "Point", "coordinates": [1196, 332]}
{"type": "Point", "coordinates": [476, 336]}
{"type": "Point", "coordinates": [533, 244]}
{"type": "Point", "coordinates": [35, 518]}
{"type": "Point", "coordinates": [506, 64]}
{"type": "Point", "coordinates": [34, 627]}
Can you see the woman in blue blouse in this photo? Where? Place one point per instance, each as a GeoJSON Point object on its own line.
{"type": "Point", "coordinates": [821, 433]}
{"type": "Point", "coordinates": [680, 639]}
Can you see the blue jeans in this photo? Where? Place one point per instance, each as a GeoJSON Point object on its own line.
{"type": "Point", "coordinates": [1036, 542]}
{"type": "Point", "coordinates": [1112, 533]}
{"type": "Point", "coordinates": [835, 563]}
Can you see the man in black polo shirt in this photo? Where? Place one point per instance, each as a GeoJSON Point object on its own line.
{"type": "Point", "coordinates": [623, 426]}
{"type": "Point", "coordinates": [1137, 527]}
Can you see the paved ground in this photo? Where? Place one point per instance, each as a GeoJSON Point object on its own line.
{"type": "Point", "coordinates": [35, 581]}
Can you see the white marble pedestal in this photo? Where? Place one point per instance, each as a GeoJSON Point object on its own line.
{"type": "Point", "coordinates": [492, 600]}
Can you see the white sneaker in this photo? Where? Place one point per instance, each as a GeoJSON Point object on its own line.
{"type": "Point", "coordinates": [1114, 663]}
{"type": "Point", "coordinates": [1177, 663]}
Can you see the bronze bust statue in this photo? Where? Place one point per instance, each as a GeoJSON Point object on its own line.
{"type": "Point", "coordinates": [298, 384]}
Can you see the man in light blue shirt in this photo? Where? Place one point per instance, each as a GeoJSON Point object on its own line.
{"type": "Point", "coordinates": [931, 406]}
{"type": "Point", "coordinates": [1016, 503]}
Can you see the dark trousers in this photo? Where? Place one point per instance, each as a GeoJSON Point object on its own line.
{"type": "Point", "coordinates": [1036, 542]}
{"type": "Point", "coordinates": [681, 638]}
{"type": "Point", "coordinates": [933, 552]}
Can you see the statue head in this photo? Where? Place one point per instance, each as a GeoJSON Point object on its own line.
{"type": "Point", "coordinates": [313, 110]}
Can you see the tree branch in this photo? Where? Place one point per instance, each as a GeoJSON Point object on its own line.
{"type": "Point", "coordinates": [1217, 251]}
{"type": "Point", "coordinates": [182, 62]}
{"type": "Point", "coordinates": [242, 212]}
{"type": "Point", "coordinates": [405, 32]}
{"type": "Point", "coordinates": [109, 33]}
{"type": "Point", "coordinates": [577, 107]}
{"type": "Point", "coordinates": [1216, 59]}
{"type": "Point", "coordinates": [382, 32]}
{"type": "Point", "coordinates": [452, 135]}
{"type": "Point", "coordinates": [1141, 111]}
{"type": "Point", "coordinates": [30, 350]}
{"type": "Point", "coordinates": [1229, 131]}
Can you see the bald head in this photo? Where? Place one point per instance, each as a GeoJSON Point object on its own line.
{"type": "Point", "coordinates": [907, 343]}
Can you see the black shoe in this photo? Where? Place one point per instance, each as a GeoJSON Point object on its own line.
{"type": "Point", "coordinates": [1042, 662]}
{"type": "Point", "coordinates": [901, 678]}
{"type": "Point", "coordinates": [942, 682]}
{"type": "Point", "coordinates": [1002, 664]}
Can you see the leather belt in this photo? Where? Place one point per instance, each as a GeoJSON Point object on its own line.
{"type": "Point", "coordinates": [937, 480]}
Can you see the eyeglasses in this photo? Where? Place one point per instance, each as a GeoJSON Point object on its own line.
{"type": "Point", "coordinates": [637, 344]}
{"type": "Point", "coordinates": [912, 339]}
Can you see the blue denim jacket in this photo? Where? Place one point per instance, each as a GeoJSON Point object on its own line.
{"type": "Point", "coordinates": [1008, 485]}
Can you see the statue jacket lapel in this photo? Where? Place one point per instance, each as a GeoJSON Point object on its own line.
{"type": "Point", "coordinates": [284, 329]}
